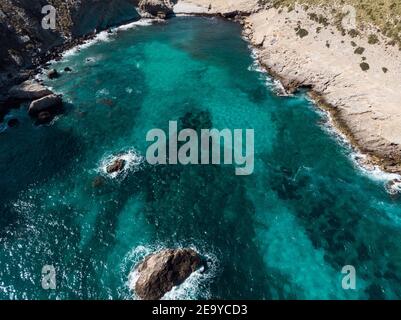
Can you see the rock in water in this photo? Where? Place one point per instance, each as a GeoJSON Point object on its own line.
{"type": "Point", "coordinates": [50, 103]}
{"type": "Point", "coordinates": [162, 271]}
{"type": "Point", "coordinates": [29, 90]}
{"type": "Point", "coordinates": [98, 182]}
{"type": "Point", "coordinates": [117, 166]}
{"type": "Point", "coordinates": [52, 74]}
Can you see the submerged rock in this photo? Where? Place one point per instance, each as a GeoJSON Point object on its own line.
{"type": "Point", "coordinates": [51, 103]}
{"type": "Point", "coordinates": [117, 166]}
{"type": "Point", "coordinates": [67, 69]}
{"type": "Point", "coordinates": [107, 102]}
{"type": "Point", "coordinates": [29, 90]}
{"type": "Point", "coordinates": [162, 271]}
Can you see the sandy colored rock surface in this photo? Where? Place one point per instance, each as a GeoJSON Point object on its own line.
{"type": "Point", "coordinates": [48, 103]}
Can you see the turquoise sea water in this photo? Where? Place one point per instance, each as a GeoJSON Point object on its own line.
{"type": "Point", "coordinates": [283, 232]}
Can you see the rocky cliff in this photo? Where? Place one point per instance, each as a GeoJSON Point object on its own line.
{"type": "Point", "coordinates": [25, 42]}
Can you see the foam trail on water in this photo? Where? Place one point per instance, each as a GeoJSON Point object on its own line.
{"type": "Point", "coordinates": [139, 23]}
{"type": "Point", "coordinates": [271, 83]}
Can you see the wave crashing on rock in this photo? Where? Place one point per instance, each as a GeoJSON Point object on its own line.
{"type": "Point", "coordinates": [120, 165]}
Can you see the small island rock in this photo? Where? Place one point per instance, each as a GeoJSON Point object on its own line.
{"type": "Point", "coordinates": [161, 271]}
{"type": "Point", "coordinates": [117, 166]}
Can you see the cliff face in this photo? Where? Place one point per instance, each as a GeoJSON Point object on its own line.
{"type": "Point", "coordinates": [23, 39]}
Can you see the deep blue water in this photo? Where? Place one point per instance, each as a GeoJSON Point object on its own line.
{"type": "Point", "coordinates": [283, 232]}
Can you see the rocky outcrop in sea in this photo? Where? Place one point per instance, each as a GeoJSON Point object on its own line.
{"type": "Point", "coordinates": [161, 271]}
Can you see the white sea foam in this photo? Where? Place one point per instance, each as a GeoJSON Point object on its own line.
{"type": "Point", "coordinates": [139, 23]}
{"type": "Point", "coordinates": [271, 83]}
{"type": "Point", "coordinates": [196, 286]}
{"type": "Point", "coordinates": [107, 35]}
{"type": "Point", "coordinates": [93, 59]}
{"type": "Point", "coordinates": [133, 161]}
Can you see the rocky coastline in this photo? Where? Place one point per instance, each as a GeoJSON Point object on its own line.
{"type": "Point", "coordinates": [362, 97]}
{"type": "Point", "coordinates": [345, 74]}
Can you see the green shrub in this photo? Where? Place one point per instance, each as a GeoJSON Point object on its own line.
{"type": "Point", "coordinates": [373, 39]}
{"type": "Point", "coordinates": [359, 50]}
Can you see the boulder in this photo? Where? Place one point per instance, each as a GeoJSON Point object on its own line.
{"type": "Point", "coordinates": [29, 90]}
{"type": "Point", "coordinates": [117, 166]}
{"type": "Point", "coordinates": [157, 8]}
{"type": "Point", "coordinates": [67, 69]}
{"type": "Point", "coordinates": [52, 74]}
{"type": "Point", "coordinates": [50, 103]}
{"type": "Point", "coordinates": [161, 271]}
